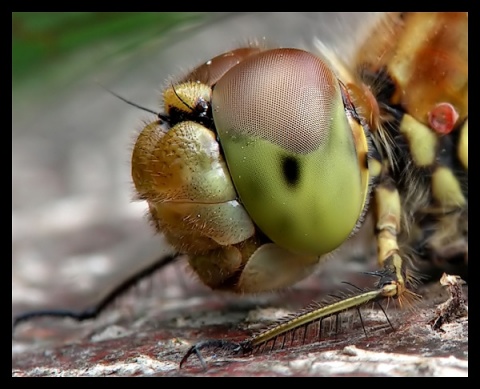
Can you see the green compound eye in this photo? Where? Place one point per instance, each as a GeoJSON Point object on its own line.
{"type": "Point", "coordinates": [290, 149]}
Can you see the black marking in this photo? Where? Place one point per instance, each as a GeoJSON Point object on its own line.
{"type": "Point", "coordinates": [200, 114]}
{"type": "Point", "coordinates": [447, 155]}
{"type": "Point", "coordinates": [365, 160]}
{"type": "Point", "coordinates": [291, 170]}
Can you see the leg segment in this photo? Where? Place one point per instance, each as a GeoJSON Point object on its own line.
{"type": "Point", "coordinates": [387, 227]}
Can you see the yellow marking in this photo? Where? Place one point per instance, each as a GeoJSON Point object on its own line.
{"type": "Point", "coordinates": [184, 97]}
{"type": "Point", "coordinates": [374, 167]}
{"type": "Point", "coordinates": [421, 139]}
{"type": "Point", "coordinates": [446, 188]}
{"type": "Point", "coordinates": [463, 145]}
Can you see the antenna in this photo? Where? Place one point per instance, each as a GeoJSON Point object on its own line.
{"type": "Point", "coordinates": [162, 117]}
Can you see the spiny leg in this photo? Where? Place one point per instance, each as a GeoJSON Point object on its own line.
{"type": "Point", "coordinates": [290, 325]}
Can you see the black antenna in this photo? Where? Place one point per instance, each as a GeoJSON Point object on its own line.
{"type": "Point", "coordinates": [162, 117]}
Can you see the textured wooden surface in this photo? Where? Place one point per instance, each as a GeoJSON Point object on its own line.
{"type": "Point", "coordinates": [144, 335]}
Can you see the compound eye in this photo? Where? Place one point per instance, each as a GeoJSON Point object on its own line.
{"type": "Point", "coordinates": [290, 149]}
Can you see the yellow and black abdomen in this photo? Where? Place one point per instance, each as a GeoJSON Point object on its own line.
{"type": "Point", "coordinates": [420, 81]}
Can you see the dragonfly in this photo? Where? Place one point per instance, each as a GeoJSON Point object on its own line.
{"type": "Point", "coordinates": [271, 159]}
{"type": "Point", "coordinates": [266, 160]}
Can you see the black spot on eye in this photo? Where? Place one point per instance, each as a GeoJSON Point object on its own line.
{"type": "Point", "coordinates": [291, 170]}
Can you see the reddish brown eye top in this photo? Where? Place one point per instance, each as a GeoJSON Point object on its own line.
{"type": "Point", "coordinates": [211, 71]}
{"type": "Point", "coordinates": [286, 96]}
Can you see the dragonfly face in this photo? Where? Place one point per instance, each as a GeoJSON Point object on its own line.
{"type": "Point", "coordinates": [268, 159]}
{"type": "Point", "coordinates": [293, 185]}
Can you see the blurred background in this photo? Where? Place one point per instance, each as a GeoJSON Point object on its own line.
{"type": "Point", "coordinates": [75, 229]}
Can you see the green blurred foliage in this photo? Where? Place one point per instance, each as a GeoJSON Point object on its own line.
{"type": "Point", "coordinates": [42, 42]}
